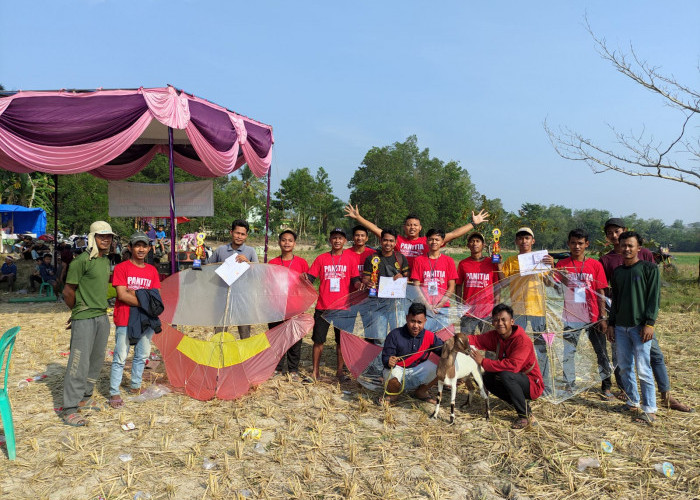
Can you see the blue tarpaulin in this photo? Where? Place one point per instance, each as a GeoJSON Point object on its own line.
{"type": "Point", "coordinates": [24, 220]}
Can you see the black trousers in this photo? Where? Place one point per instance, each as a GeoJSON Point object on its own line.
{"type": "Point", "coordinates": [293, 355]}
{"type": "Point", "coordinates": [513, 388]}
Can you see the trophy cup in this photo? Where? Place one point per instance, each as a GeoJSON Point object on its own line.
{"type": "Point", "coordinates": [199, 252]}
{"type": "Point", "coordinates": [496, 254]}
{"type": "Point", "coordinates": [374, 277]}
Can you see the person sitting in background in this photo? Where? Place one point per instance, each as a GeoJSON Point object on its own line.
{"type": "Point", "coordinates": [8, 272]}
{"type": "Point", "coordinates": [47, 271]}
{"type": "Point", "coordinates": [160, 238]}
{"type": "Point", "coordinates": [35, 277]}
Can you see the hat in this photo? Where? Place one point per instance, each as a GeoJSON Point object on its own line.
{"type": "Point", "coordinates": [525, 230]}
{"type": "Point", "coordinates": [9, 257]}
{"type": "Point", "coordinates": [338, 230]}
{"type": "Point", "coordinates": [476, 235]}
{"type": "Point", "coordinates": [139, 236]}
{"type": "Point", "coordinates": [615, 221]}
{"type": "Point", "coordinates": [101, 227]}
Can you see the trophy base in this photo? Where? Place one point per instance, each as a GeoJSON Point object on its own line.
{"type": "Point", "coordinates": [197, 264]}
{"type": "Point", "coordinates": [496, 258]}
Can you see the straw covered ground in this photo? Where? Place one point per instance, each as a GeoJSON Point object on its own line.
{"type": "Point", "coordinates": [331, 441]}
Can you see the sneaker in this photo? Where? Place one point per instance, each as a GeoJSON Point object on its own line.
{"type": "Point", "coordinates": [277, 373]}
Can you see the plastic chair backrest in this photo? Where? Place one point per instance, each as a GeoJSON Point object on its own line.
{"type": "Point", "coordinates": [7, 343]}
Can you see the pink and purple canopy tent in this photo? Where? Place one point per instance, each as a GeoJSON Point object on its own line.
{"type": "Point", "coordinates": [113, 134]}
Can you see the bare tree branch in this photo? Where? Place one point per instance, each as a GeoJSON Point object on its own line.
{"type": "Point", "coordinates": [639, 155]}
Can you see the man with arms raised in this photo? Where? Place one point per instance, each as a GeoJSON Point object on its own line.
{"type": "Point", "coordinates": [337, 273]}
{"type": "Point", "coordinates": [411, 244]}
{"type": "Point", "coordinates": [635, 306]}
{"type": "Point", "coordinates": [613, 229]}
{"type": "Point", "coordinates": [86, 294]}
{"type": "Point", "coordinates": [243, 253]}
{"type": "Point", "coordinates": [405, 357]}
{"type": "Point", "coordinates": [514, 376]}
{"type": "Point", "coordinates": [476, 276]}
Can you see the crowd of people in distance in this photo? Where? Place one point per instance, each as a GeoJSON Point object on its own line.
{"type": "Point", "coordinates": [515, 367]}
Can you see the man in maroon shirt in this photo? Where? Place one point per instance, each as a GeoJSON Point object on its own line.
{"type": "Point", "coordinates": [613, 229]}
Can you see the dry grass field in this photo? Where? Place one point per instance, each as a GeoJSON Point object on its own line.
{"type": "Point", "coordinates": [331, 441]}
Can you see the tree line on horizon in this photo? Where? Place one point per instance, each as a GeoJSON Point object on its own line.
{"type": "Point", "coordinates": [391, 182]}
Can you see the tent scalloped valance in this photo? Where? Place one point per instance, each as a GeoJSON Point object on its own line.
{"type": "Point", "coordinates": [108, 133]}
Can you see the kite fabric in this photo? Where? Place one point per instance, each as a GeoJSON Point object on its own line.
{"type": "Point", "coordinates": [135, 199]}
{"type": "Point", "coordinates": [556, 310]}
{"type": "Point", "coordinates": [367, 321]}
{"type": "Point", "coordinates": [114, 134]}
{"type": "Point", "coordinates": [224, 367]}
{"type": "Point", "coordinates": [559, 308]}
{"type": "Point", "coordinates": [263, 294]}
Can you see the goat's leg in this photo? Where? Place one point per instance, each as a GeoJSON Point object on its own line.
{"type": "Point", "coordinates": [439, 397]}
{"type": "Point", "coordinates": [452, 403]}
{"type": "Point", "coordinates": [484, 393]}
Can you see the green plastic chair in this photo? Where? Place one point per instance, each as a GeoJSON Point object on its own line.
{"type": "Point", "coordinates": [7, 343]}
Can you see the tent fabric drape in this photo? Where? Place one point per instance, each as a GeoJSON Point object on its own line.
{"type": "Point", "coordinates": [113, 134]}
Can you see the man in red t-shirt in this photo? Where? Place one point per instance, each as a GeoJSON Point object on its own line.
{"type": "Point", "coordinates": [476, 276]}
{"type": "Point", "coordinates": [584, 303]}
{"type": "Point", "coordinates": [338, 276]}
{"type": "Point", "coordinates": [129, 276]}
{"type": "Point", "coordinates": [435, 276]}
{"type": "Point", "coordinates": [360, 251]}
{"type": "Point", "coordinates": [411, 244]}
{"type": "Point", "coordinates": [287, 241]}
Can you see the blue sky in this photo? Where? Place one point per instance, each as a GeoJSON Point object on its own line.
{"type": "Point", "coordinates": [474, 81]}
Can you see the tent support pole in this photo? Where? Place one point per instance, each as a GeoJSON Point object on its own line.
{"type": "Point", "coordinates": [173, 226]}
{"type": "Point", "coordinates": [55, 221]}
{"type": "Point", "coordinates": [267, 212]}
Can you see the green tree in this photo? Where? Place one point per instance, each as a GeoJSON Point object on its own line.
{"type": "Point", "coordinates": [396, 180]}
{"type": "Point", "coordinates": [294, 199]}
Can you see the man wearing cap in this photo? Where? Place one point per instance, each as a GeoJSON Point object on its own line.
{"type": "Point", "coordinates": [86, 294]}
{"type": "Point", "coordinates": [527, 294]}
{"type": "Point", "coordinates": [129, 276]}
{"type": "Point", "coordinates": [8, 272]}
{"type": "Point", "coordinates": [476, 276]}
{"type": "Point", "coordinates": [613, 228]}
{"type": "Point", "coordinates": [338, 276]}
{"type": "Point", "coordinates": [243, 253]}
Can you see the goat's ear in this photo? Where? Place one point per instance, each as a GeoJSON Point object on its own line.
{"type": "Point", "coordinates": [447, 347]}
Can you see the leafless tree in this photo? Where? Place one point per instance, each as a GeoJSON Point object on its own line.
{"type": "Point", "coordinates": [640, 155]}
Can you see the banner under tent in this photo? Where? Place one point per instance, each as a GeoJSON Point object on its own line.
{"type": "Point", "coordinates": [136, 199]}
{"type": "Point", "coordinates": [114, 134]}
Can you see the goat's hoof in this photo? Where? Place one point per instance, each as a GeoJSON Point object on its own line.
{"type": "Point", "coordinates": [452, 420]}
{"type": "Point", "coordinates": [434, 415]}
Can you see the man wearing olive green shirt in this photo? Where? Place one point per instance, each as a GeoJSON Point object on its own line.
{"type": "Point", "coordinates": [86, 294]}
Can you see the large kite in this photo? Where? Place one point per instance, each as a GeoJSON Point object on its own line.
{"type": "Point", "coordinates": [220, 365]}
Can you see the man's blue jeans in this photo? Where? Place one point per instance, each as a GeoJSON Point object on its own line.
{"type": "Point", "coordinates": [572, 332]}
{"type": "Point", "coordinates": [121, 349]}
{"type": "Point", "coordinates": [631, 352]}
{"type": "Point", "coordinates": [658, 366]}
{"type": "Point", "coordinates": [379, 317]}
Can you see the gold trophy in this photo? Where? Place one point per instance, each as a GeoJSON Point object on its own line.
{"type": "Point", "coordinates": [374, 277]}
{"type": "Point", "coordinates": [496, 254]}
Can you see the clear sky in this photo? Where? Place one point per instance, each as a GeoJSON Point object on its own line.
{"type": "Point", "coordinates": [473, 80]}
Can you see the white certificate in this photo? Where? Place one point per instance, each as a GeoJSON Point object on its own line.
{"type": "Point", "coordinates": [230, 270]}
{"type": "Point", "coordinates": [390, 288]}
{"type": "Point", "coordinates": [531, 263]}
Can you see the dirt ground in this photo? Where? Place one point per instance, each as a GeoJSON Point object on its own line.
{"type": "Point", "coordinates": [327, 440]}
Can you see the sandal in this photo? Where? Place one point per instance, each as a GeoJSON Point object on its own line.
{"type": "Point", "coordinates": [342, 378]}
{"type": "Point", "coordinates": [645, 418]}
{"type": "Point", "coordinates": [135, 391]}
{"type": "Point", "coordinates": [89, 404]}
{"type": "Point", "coordinates": [607, 395]}
{"type": "Point", "coordinates": [116, 401]}
{"type": "Point", "coordinates": [625, 408]}
{"type": "Point", "coordinates": [74, 419]}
